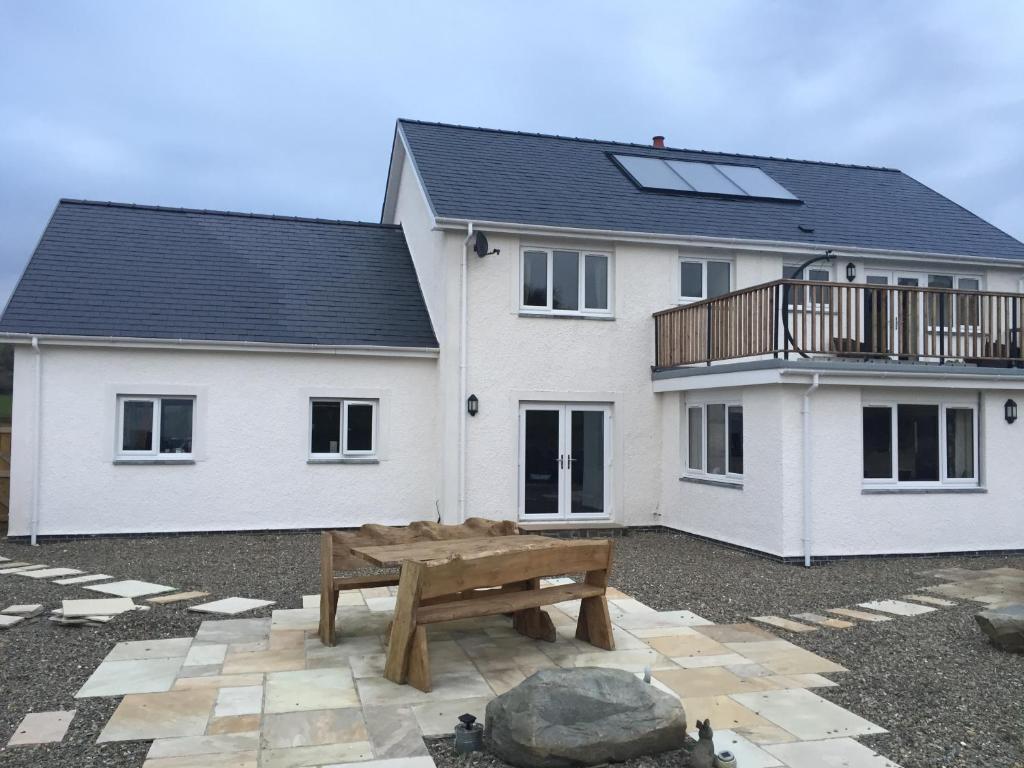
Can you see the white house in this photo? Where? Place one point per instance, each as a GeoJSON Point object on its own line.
{"type": "Point", "coordinates": [554, 330]}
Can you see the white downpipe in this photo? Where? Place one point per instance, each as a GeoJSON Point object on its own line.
{"type": "Point", "coordinates": [463, 356]}
{"type": "Point", "coordinates": [36, 470]}
{"type": "Point", "coordinates": [805, 411]}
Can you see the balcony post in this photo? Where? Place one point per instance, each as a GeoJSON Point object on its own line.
{"type": "Point", "coordinates": [942, 328]}
{"type": "Point", "coordinates": [707, 334]}
{"type": "Point", "coordinates": [775, 322]}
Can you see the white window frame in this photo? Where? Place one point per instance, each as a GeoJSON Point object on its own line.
{"type": "Point", "coordinates": [828, 268]}
{"type": "Point", "coordinates": [154, 452]}
{"type": "Point", "coordinates": [703, 261]}
{"type": "Point", "coordinates": [944, 480]}
{"type": "Point", "coordinates": [343, 450]}
{"type": "Point", "coordinates": [702, 472]}
{"type": "Point", "coordinates": [581, 258]}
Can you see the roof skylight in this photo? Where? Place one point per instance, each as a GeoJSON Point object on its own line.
{"type": "Point", "coordinates": [706, 178]}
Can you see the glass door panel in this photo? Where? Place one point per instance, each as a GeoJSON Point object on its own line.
{"type": "Point", "coordinates": [541, 459]}
{"type": "Point", "coordinates": [586, 462]}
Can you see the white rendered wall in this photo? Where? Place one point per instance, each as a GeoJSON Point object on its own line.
{"type": "Point", "coordinates": [251, 442]}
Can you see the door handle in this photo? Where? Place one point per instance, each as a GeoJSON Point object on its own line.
{"type": "Point", "coordinates": [560, 464]}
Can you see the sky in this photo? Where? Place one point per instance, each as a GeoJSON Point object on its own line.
{"type": "Point", "coordinates": [289, 107]}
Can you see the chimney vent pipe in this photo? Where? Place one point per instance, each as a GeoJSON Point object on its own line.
{"type": "Point", "coordinates": [658, 142]}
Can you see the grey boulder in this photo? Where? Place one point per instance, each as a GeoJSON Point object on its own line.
{"type": "Point", "coordinates": [1004, 627]}
{"type": "Point", "coordinates": [585, 716]}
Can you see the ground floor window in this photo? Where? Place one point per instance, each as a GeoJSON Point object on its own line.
{"type": "Point", "coordinates": [343, 428]}
{"type": "Point", "coordinates": [155, 426]}
{"type": "Point", "coordinates": [920, 443]}
{"type": "Point", "coordinates": [714, 439]}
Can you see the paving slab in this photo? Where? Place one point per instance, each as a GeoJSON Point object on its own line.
{"type": "Point", "coordinates": [313, 728]}
{"type": "Point", "coordinates": [182, 746]}
{"type": "Point", "coordinates": [160, 716]}
{"type": "Point", "coordinates": [12, 564]}
{"type": "Point", "coordinates": [116, 678]}
{"type": "Point", "coordinates": [825, 621]}
{"type": "Point", "coordinates": [24, 610]}
{"type": "Point", "coordinates": [747, 753]}
{"type": "Point", "coordinates": [897, 607]}
{"type": "Point", "coordinates": [130, 588]}
{"type": "Point", "coordinates": [230, 606]}
{"type": "Point", "coordinates": [169, 648]}
{"type": "Point", "coordinates": [83, 579]}
{"type": "Point", "coordinates": [439, 718]}
{"type": "Point", "coordinates": [50, 573]}
{"type": "Point", "coordinates": [21, 568]}
{"type": "Point", "coordinates": [806, 715]}
{"type": "Point", "coordinates": [6, 622]}
{"type": "Point", "coordinates": [177, 597]}
{"type": "Point", "coordinates": [930, 600]}
{"type": "Point", "coordinates": [853, 613]}
{"type": "Point", "coordinates": [784, 658]}
{"type": "Point", "coordinates": [233, 631]}
{"type": "Point", "coordinates": [247, 759]}
{"type": "Point", "coordinates": [829, 753]}
{"type": "Point", "coordinates": [103, 606]}
{"type": "Point", "coordinates": [42, 728]}
{"type": "Point", "coordinates": [303, 690]}
{"type": "Point", "coordinates": [202, 654]}
{"type": "Point", "coordinates": [325, 754]}
{"type": "Point", "coordinates": [787, 624]}
{"type": "Point", "coordinates": [240, 700]}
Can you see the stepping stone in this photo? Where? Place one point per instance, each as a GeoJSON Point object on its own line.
{"type": "Point", "coordinates": [6, 622]}
{"type": "Point", "coordinates": [42, 728]}
{"type": "Point", "coordinates": [897, 607]}
{"type": "Point", "coordinates": [11, 564]}
{"type": "Point", "coordinates": [843, 751]}
{"type": "Point", "coordinates": [825, 621]}
{"type": "Point", "coordinates": [806, 715]}
{"type": "Point", "coordinates": [49, 573]}
{"type": "Point", "coordinates": [930, 600]}
{"type": "Point", "coordinates": [22, 568]}
{"type": "Point", "coordinates": [108, 606]}
{"type": "Point", "coordinates": [130, 588]}
{"type": "Point", "coordinates": [781, 623]}
{"type": "Point", "coordinates": [230, 605]}
{"type": "Point", "coordinates": [116, 678]}
{"type": "Point", "coordinates": [4, 559]}
{"type": "Point", "coordinates": [177, 597]}
{"type": "Point", "coordinates": [25, 611]}
{"type": "Point", "coordinates": [83, 579]}
{"type": "Point", "coordinates": [853, 613]}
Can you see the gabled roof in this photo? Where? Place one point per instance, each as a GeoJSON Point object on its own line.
{"type": "Point", "coordinates": [109, 269]}
{"type": "Point", "coordinates": [480, 174]}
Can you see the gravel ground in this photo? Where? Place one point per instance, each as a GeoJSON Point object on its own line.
{"type": "Point", "coordinates": [949, 699]}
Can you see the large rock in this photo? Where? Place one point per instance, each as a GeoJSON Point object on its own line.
{"type": "Point", "coordinates": [1004, 627]}
{"type": "Point", "coordinates": [584, 716]}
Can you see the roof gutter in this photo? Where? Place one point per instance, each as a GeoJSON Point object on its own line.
{"type": "Point", "coordinates": [734, 243]}
{"type": "Point", "coordinates": [141, 342]}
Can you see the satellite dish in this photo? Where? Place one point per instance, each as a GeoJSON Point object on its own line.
{"type": "Point", "coordinates": [480, 247]}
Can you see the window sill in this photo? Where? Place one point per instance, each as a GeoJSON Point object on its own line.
{"type": "Point", "coordinates": [736, 485]}
{"type": "Point", "coordinates": [943, 489]}
{"type": "Point", "coordinates": [552, 315]}
{"type": "Point", "coordinates": [154, 461]}
{"type": "Point", "coordinates": [345, 460]}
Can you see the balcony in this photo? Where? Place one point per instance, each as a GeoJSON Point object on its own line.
{"type": "Point", "coordinates": [798, 318]}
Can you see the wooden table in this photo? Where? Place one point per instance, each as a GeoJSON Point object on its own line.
{"type": "Point", "coordinates": [393, 555]}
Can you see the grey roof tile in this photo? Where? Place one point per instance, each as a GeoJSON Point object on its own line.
{"type": "Point", "coordinates": [108, 269]}
{"type": "Point", "coordinates": [489, 175]}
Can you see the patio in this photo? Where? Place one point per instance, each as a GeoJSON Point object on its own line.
{"type": "Point", "coordinates": [264, 692]}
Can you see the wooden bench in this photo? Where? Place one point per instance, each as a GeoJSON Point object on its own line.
{"type": "Point", "coordinates": [336, 555]}
{"type": "Point", "coordinates": [434, 592]}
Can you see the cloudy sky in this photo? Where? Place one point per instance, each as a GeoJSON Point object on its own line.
{"type": "Point", "coordinates": [289, 107]}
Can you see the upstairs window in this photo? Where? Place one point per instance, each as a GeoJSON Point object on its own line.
{"type": "Point", "coordinates": [342, 428]}
{"type": "Point", "coordinates": [816, 273]}
{"type": "Point", "coordinates": [703, 279]}
{"type": "Point", "coordinates": [154, 427]}
{"type": "Point", "coordinates": [566, 282]}
{"type": "Point", "coordinates": [714, 440]}
{"type": "Point", "coordinates": [920, 444]}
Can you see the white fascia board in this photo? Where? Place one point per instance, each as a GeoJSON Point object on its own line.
{"type": "Point", "coordinates": [400, 152]}
{"type": "Point", "coordinates": [805, 376]}
{"type": "Point", "coordinates": [129, 342]}
{"type": "Point", "coordinates": [732, 244]}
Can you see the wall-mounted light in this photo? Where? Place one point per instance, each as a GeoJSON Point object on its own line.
{"type": "Point", "coordinates": [1010, 411]}
{"type": "Point", "coordinates": [851, 271]}
{"type": "Point", "coordinates": [472, 405]}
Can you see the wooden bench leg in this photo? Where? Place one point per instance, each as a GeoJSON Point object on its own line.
{"type": "Point", "coordinates": [419, 661]}
{"type": "Point", "coordinates": [534, 623]}
{"type": "Point", "coordinates": [328, 594]}
{"type": "Point", "coordinates": [403, 627]}
{"type": "Point", "coordinates": [595, 625]}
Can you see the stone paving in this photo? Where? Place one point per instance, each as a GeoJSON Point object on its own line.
{"type": "Point", "coordinates": [264, 693]}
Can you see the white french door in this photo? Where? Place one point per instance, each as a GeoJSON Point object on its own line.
{"type": "Point", "coordinates": [564, 461]}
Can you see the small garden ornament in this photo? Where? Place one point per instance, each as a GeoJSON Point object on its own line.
{"type": "Point", "coordinates": [703, 753]}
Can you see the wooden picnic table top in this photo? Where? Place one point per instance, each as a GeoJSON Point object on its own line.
{"type": "Point", "coordinates": [393, 555]}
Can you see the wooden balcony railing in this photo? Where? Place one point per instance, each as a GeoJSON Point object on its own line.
{"type": "Point", "coordinates": [799, 318]}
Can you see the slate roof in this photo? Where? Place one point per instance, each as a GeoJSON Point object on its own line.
{"type": "Point", "coordinates": [502, 176]}
{"type": "Point", "coordinates": [109, 269]}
